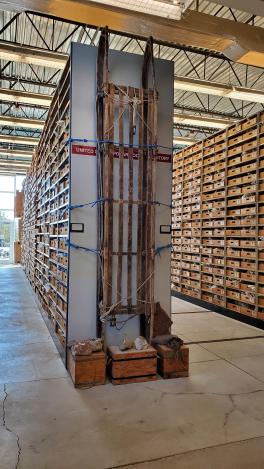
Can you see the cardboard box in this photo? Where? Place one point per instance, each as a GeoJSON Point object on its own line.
{"type": "Point", "coordinates": [233, 130]}
{"type": "Point", "coordinates": [233, 307]}
{"type": "Point", "coordinates": [249, 123]}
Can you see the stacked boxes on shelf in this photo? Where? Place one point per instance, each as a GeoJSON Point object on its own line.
{"type": "Point", "coordinates": [28, 237]}
{"type": "Point", "coordinates": [218, 219]}
{"type": "Point", "coordinates": [45, 251]}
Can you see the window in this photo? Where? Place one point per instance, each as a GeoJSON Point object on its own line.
{"type": "Point", "coordinates": [7, 183]}
{"type": "Point", "coordinates": [6, 201]}
{"type": "Point", "coordinates": [7, 226]}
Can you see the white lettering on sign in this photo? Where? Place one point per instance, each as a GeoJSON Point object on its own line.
{"type": "Point", "coordinates": [88, 150]}
{"type": "Point", "coordinates": [85, 150]}
{"type": "Point", "coordinates": [161, 157]}
{"type": "Point", "coordinates": [164, 157]}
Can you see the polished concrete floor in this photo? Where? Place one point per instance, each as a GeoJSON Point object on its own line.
{"type": "Point", "coordinates": [212, 420]}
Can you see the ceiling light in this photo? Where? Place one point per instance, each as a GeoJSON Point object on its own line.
{"type": "Point", "coordinates": [201, 121]}
{"type": "Point", "coordinates": [18, 153]}
{"type": "Point", "coordinates": [16, 139]}
{"type": "Point", "coordinates": [32, 56]}
{"type": "Point", "coordinates": [14, 163]}
{"type": "Point", "coordinates": [21, 122]}
{"type": "Point", "coordinates": [23, 97]}
{"type": "Point", "coordinates": [218, 89]}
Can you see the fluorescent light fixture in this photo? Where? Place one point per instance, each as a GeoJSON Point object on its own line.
{"type": "Point", "coordinates": [16, 153]}
{"type": "Point", "coordinates": [14, 163]}
{"type": "Point", "coordinates": [20, 140]}
{"type": "Point", "coordinates": [13, 171]}
{"type": "Point", "coordinates": [218, 89]}
{"type": "Point", "coordinates": [184, 141]}
{"type": "Point", "coordinates": [21, 122]}
{"type": "Point", "coordinates": [32, 56]}
{"type": "Point", "coordinates": [23, 97]}
{"type": "Point", "coordinates": [201, 121]}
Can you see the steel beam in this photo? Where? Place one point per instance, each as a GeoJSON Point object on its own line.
{"type": "Point", "coordinates": [15, 79]}
{"type": "Point", "coordinates": [202, 111]}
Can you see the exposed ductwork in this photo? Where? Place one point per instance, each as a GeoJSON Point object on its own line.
{"type": "Point", "coordinates": [239, 42]}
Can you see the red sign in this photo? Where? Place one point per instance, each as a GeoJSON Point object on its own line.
{"type": "Point", "coordinates": [87, 150]}
{"type": "Point", "coordinates": [161, 157]}
{"type": "Point", "coordinates": [84, 150]}
{"type": "Point", "coordinates": [164, 158]}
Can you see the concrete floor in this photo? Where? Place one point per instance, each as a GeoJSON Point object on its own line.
{"type": "Point", "coordinates": [212, 420]}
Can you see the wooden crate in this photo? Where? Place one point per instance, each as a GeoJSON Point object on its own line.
{"type": "Point", "coordinates": [172, 364]}
{"type": "Point", "coordinates": [87, 370]}
{"type": "Point", "coordinates": [132, 366]}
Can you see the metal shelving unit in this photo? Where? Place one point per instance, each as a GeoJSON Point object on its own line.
{"type": "Point", "coordinates": [45, 251]}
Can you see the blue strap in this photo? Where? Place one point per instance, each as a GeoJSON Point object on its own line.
{"type": "Point", "coordinates": [112, 142]}
{"type": "Point", "coordinates": [92, 204]}
{"type": "Point", "coordinates": [75, 246]}
{"type": "Point", "coordinates": [157, 202]}
{"type": "Point", "coordinates": [159, 249]}
{"type": "Point", "coordinates": [102, 200]}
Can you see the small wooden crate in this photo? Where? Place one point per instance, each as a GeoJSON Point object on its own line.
{"type": "Point", "coordinates": [172, 364]}
{"type": "Point", "coordinates": [132, 366]}
{"type": "Point", "coordinates": [87, 370]}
